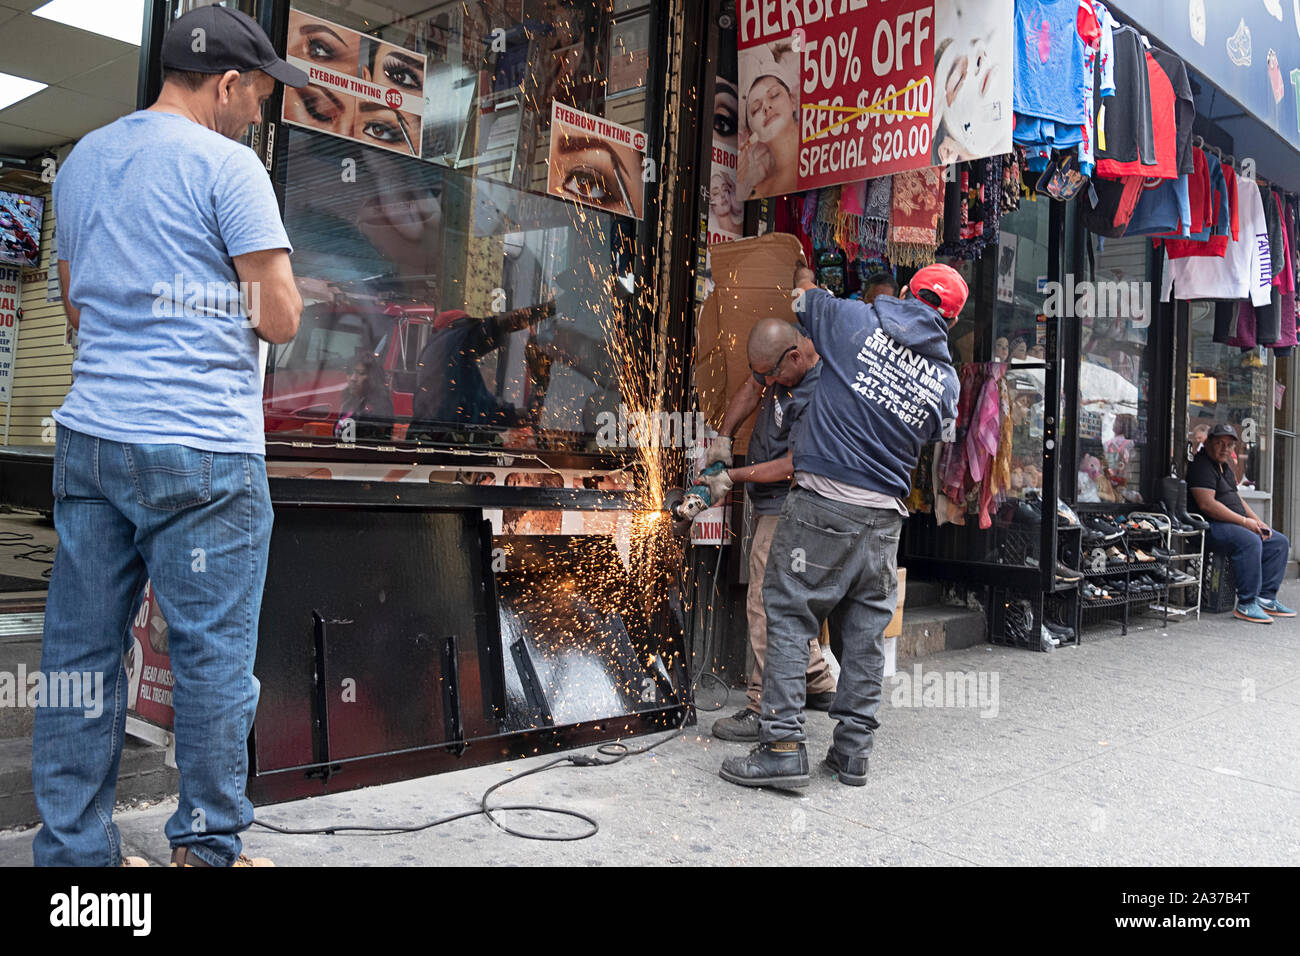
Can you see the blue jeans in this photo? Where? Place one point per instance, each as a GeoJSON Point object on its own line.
{"type": "Point", "coordinates": [836, 562]}
{"type": "Point", "coordinates": [1258, 564]}
{"type": "Point", "coordinates": [198, 524]}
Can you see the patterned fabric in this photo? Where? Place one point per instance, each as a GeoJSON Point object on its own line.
{"type": "Point", "coordinates": [978, 194]}
{"type": "Point", "coordinates": [914, 216]}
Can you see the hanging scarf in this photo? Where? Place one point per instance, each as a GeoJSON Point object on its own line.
{"type": "Point", "coordinates": [914, 216]}
{"type": "Point", "coordinates": [849, 225]}
{"type": "Point", "coordinates": [1013, 170]}
{"type": "Point", "coordinates": [828, 213]}
{"type": "Point", "coordinates": [977, 217]}
{"type": "Point", "coordinates": [880, 196]}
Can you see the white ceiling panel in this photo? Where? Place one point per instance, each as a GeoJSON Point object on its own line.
{"type": "Point", "coordinates": [92, 79]}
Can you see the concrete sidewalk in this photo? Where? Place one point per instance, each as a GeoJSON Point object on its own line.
{"type": "Point", "coordinates": [1174, 746]}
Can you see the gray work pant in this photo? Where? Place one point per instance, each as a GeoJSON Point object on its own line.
{"type": "Point", "coordinates": [836, 562]}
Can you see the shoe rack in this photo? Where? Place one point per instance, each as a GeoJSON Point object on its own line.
{"type": "Point", "coordinates": [1188, 549]}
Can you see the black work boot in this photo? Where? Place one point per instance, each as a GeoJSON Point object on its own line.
{"type": "Point", "coordinates": [742, 725]}
{"type": "Point", "coordinates": [848, 770]}
{"type": "Point", "coordinates": [782, 763]}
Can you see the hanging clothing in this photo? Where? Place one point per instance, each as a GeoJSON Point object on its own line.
{"type": "Point", "coordinates": [1184, 106]}
{"type": "Point", "coordinates": [1213, 239]}
{"type": "Point", "coordinates": [976, 222]}
{"type": "Point", "coordinates": [1124, 130]}
{"type": "Point", "coordinates": [1048, 56]}
{"type": "Point", "coordinates": [1284, 282]}
{"type": "Point", "coordinates": [1163, 128]}
{"type": "Point", "coordinates": [1013, 171]}
{"type": "Point", "coordinates": [914, 217]}
{"type": "Point", "coordinates": [1243, 272]}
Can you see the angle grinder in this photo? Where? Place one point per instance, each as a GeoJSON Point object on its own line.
{"type": "Point", "coordinates": [683, 505]}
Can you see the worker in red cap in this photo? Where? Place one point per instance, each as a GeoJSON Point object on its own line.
{"type": "Point", "coordinates": [888, 388]}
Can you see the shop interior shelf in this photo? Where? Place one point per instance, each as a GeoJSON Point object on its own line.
{"type": "Point", "coordinates": [1109, 602]}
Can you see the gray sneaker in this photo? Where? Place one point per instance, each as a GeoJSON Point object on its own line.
{"type": "Point", "coordinates": [742, 725]}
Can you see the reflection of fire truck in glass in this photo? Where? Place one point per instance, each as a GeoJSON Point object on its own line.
{"type": "Point", "coordinates": [306, 377]}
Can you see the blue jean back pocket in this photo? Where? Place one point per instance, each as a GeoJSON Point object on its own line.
{"type": "Point", "coordinates": [169, 477]}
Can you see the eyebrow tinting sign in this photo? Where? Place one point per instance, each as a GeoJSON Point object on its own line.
{"type": "Point", "coordinates": [363, 88]}
{"type": "Point", "coordinates": [596, 162]}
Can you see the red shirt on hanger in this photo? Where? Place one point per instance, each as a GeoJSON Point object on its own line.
{"type": "Point", "coordinates": [1163, 128]}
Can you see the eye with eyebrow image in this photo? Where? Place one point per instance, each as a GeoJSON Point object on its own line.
{"type": "Point", "coordinates": [394, 66]}
{"type": "Point", "coordinates": [381, 125]}
{"type": "Point", "coordinates": [319, 108]}
{"type": "Point", "coordinates": [324, 44]}
{"type": "Point", "coordinates": [595, 172]}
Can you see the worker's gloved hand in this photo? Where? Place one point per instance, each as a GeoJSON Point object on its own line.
{"type": "Point", "coordinates": [719, 451]}
{"type": "Point", "coordinates": [718, 484]}
{"type": "Point", "coordinates": [545, 310]}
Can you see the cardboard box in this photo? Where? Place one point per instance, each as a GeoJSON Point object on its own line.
{"type": "Point", "coordinates": [895, 626]}
{"type": "Point", "coordinates": [753, 279]}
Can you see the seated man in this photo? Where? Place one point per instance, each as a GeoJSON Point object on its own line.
{"type": "Point", "coordinates": [1259, 554]}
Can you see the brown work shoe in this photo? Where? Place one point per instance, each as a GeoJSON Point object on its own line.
{"type": "Point", "coordinates": [183, 857]}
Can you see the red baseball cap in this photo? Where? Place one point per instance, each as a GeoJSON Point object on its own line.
{"type": "Point", "coordinates": [945, 282]}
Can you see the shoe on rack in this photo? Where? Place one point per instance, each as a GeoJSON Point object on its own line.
{"type": "Point", "coordinates": [848, 770]}
{"type": "Point", "coordinates": [1251, 612]}
{"type": "Point", "coordinates": [1142, 556]}
{"type": "Point", "coordinates": [1275, 608]}
{"type": "Point", "coordinates": [1067, 574]}
{"type": "Point", "coordinates": [820, 701]}
{"type": "Point", "coordinates": [1108, 530]}
{"type": "Point", "coordinates": [781, 763]}
{"type": "Point", "coordinates": [742, 726]}
{"type": "Point", "coordinates": [1067, 515]}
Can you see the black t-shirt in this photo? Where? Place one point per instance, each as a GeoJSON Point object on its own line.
{"type": "Point", "coordinates": [1205, 472]}
{"type": "Point", "coordinates": [774, 433]}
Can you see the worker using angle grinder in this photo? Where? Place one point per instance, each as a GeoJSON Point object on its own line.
{"type": "Point", "coordinates": [886, 388]}
{"type": "Point", "coordinates": [785, 368]}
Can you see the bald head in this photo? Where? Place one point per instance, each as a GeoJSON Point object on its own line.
{"type": "Point", "coordinates": [769, 339]}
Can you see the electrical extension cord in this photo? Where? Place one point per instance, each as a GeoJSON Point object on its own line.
{"type": "Point", "coordinates": [616, 752]}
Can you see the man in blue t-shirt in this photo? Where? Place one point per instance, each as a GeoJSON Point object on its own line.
{"type": "Point", "coordinates": [785, 369]}
{"type": "Point", "coordinates": [887, 387]}
{"type": "Point", "coordinates": [174, 264]}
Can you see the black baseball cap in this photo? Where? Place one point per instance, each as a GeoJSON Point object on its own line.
{"type": "Point", "coordinates": [1218, 431]}
{"type": "Point", "coordinates": [229, 40]}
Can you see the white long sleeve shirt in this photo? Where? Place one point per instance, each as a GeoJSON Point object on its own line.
{"type": "Point", "coordinates": [1246, 269]}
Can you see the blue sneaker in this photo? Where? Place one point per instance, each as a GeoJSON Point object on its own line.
{"type": "Point", "coordinates": [1251, 612]}
{"type": "Point", "coordinates": [1276, 608]}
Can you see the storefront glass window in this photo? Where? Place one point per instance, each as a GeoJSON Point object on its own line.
{"type": "Point", "coordinates": [960, 518]}
{"type": "Point", "coordinates": [1229, 386]}
{"type": "Point", "coordinates": [1114, 311]}
{"type": "Point", "coordinates": [466, 188]}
